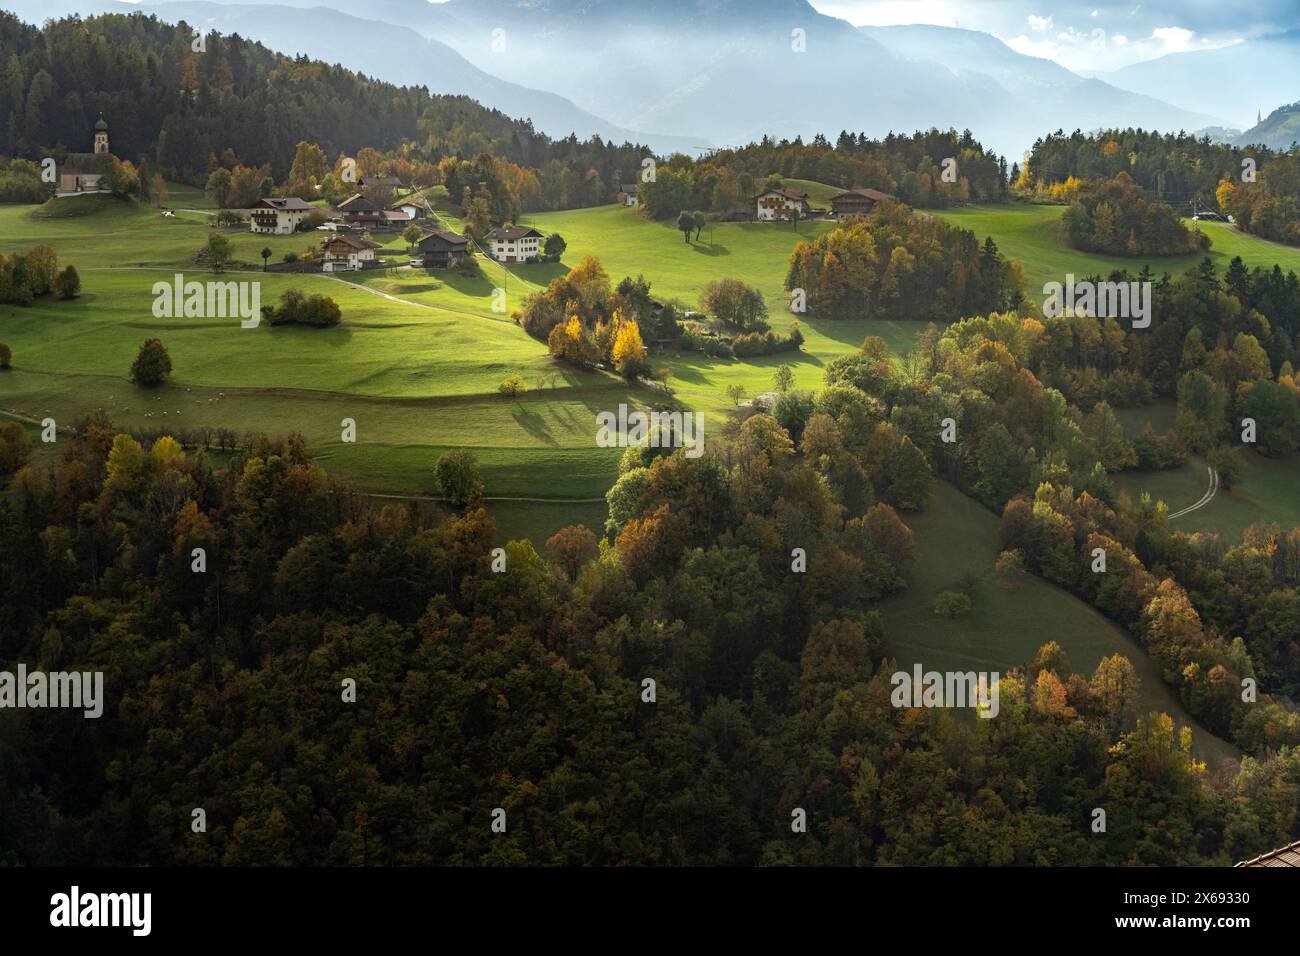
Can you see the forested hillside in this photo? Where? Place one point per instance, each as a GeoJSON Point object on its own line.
{"type": "Point", "coordinates": [1259, 187]}
{"type": "Point", "coordinates": [177, 108]}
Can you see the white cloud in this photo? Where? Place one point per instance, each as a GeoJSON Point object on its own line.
{"type": "Point", "coordinates": [1119, 39]}
{"type": "Point", "coordinates": [1040, 24]}
{"type": "Point", "coordinates": [1174, 39]}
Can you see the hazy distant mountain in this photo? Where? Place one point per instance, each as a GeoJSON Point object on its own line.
{"type": "Point", "coordinates": [726, 68]}
{"type": "Point", "coordinates": [1048, 96]}
{"type": "Point", "coordinates": [379, 49]}
{"type": "Point", "coordinates": [1218, 134]}
{"type": "Point", "coordinates": [1279, 129]}
{"type": "Point", "coordinates": [1234, 82]}
{"type": "Point", "coordinates": [686, 73]}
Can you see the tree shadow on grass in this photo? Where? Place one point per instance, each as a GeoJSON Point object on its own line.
{"type": "Point", "coordinates": [533, 423]}
{"type": "Point", "coordinates": [710, 248]}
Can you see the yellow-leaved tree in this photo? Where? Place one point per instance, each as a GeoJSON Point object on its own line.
{"type": "Point", "coordinates": [629, 350]}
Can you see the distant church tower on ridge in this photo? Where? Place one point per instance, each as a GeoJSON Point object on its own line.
{"type": "Point", "coordinates": [101, 135]}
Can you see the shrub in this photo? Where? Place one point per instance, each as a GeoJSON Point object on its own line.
{"type": "Point", "coordinates": [319, 311]}
{"type": "Point", "coordinates": [735, 304]}
{"type": "Point", "coordinates": [14, 447]}
{"type": "Point", "coordinates": [152, 364]}
{"type": "Point", "coordinates": [512, 386]}
{"type": "Point", "coordinates": [951, 605]}
{"type": "Point", "coordinates": [1010, 563]}
{"type": "Point", "coordinates": [68, 284]}
{"type": "Point", "coordinates": [458, 477]}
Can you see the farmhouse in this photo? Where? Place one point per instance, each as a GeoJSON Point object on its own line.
{"type": "Point", "coordinates": [347, 254]}
{"type": "Point", "coordinates": [629, 193]}
{"type": "Point", "coordinates": [857, 202]}
{"type": "Point", "coordinates": [1283, 857]}
{"type": "Point", "coordinates": [278, 216]}
{"type": "Point", "coordinates": [359, 211]}
{"type": "Point", "coordinates": [781, 203]}
{"type": "Point", "coordinates": [88, 172]}
{"type": "Point", "coordinates": [514, 244]}
{"type": "Point", "coordinates": [443, 249]}
{"type": "Point", "coordinates": [386, 182]}
{"type": "Point", "coordinates": [412, 209]}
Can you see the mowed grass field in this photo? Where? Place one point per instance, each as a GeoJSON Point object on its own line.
{"type": "Point", "coordinates": [417, 379]}
{"type": "Point", "coordinates": [1269, 490]}
{"type": "Point", "coordinates": [956, 541]}
{"type": "Point", "coordinates": [419, 356]}
{"type": "Point", "coordinates": [1032, 235]}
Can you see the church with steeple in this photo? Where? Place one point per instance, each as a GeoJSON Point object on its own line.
{"type": "Point", "coordinates": [88, 172]}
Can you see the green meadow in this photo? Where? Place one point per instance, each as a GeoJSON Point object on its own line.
{"type": "Point", "coordinates": [1009, 620]}
{"type": "Point", "coordinates": [418, 358]}
{"type": "Point", "coordinates": [1032, 235]}
{"type": "Point", "coordinates": [417, 379]}
{"type": "Point", "coordinates": [1267, 490]}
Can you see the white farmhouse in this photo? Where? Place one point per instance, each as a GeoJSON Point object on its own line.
{"type": "Point", "coordinates": [514, 244]}
{"type": "Point", "coordinates": [278, 216]}
{"type": "Point", "coordinates": [781, 204]}
{"type": "Point", "coordinates": [347, 254]}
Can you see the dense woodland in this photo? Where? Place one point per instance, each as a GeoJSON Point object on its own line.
{"type": "Point", "coordinates": [182, 113]}
{"type": "Point", "coordinates": [1116, 218]}
{"type": "Point", "coordinates": [896, 264]}
{"type": "Point", "coordinates": [523, 688]}
{"type": "Point", "coordinates": [1263, 195]}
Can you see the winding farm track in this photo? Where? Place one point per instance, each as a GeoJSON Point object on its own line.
{"type": "Point", "coordinates": [1205, 498]}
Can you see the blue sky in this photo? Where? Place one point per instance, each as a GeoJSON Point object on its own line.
{"type": "Point", "coordinates": [1086, 36]}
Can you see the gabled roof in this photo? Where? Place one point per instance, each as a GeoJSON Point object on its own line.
{"type": "Point", "coordinates": [357, 203]}
{"type": "Point", "coordinates": [782, 191]}
{"type": "Point", "coordinates": [511, 233]}
{"type": "Point", "coordinates": [285, 204]}
{"type": "Point", "coordinates": [628, 188]}
{"type": "Point", "coordinates": [86, 163]}
{"type": "Point", "coordinates": [392, 181]}
{"type": "Point", "coordinates": [356, 242]}
{"type": "Point", "coordinates": [441, 237]}
{"type": "Point", "coordinates": [1287, 856]}
{"type": "Point", "coordinates": [875, 194]}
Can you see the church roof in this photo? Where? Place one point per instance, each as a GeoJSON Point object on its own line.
{"type": "Point", "coordinates": [100, 125]}
{"type": "Point", "coordinates": [81, 163]}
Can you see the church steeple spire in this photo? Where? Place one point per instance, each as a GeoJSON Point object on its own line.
{"type": "Point", "coordinates": [101, 135]}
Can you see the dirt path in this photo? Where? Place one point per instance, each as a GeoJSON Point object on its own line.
{"type": "Point", "coordinates": [1205, 498]}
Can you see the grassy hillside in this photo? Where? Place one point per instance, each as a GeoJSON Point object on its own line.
{"type": "Point", "coordinates": [1267, 491]}
{"type": "Point", "coordinates": [419, 356]}
{"type": "Point", "coordinates": [418, 379]}
{"type": "Point", "coordinates": [1032, 235]}
{"type": "Point", "coordinates": [956, 541]}
{"type": "Point", "coordinates": [819, 194]}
